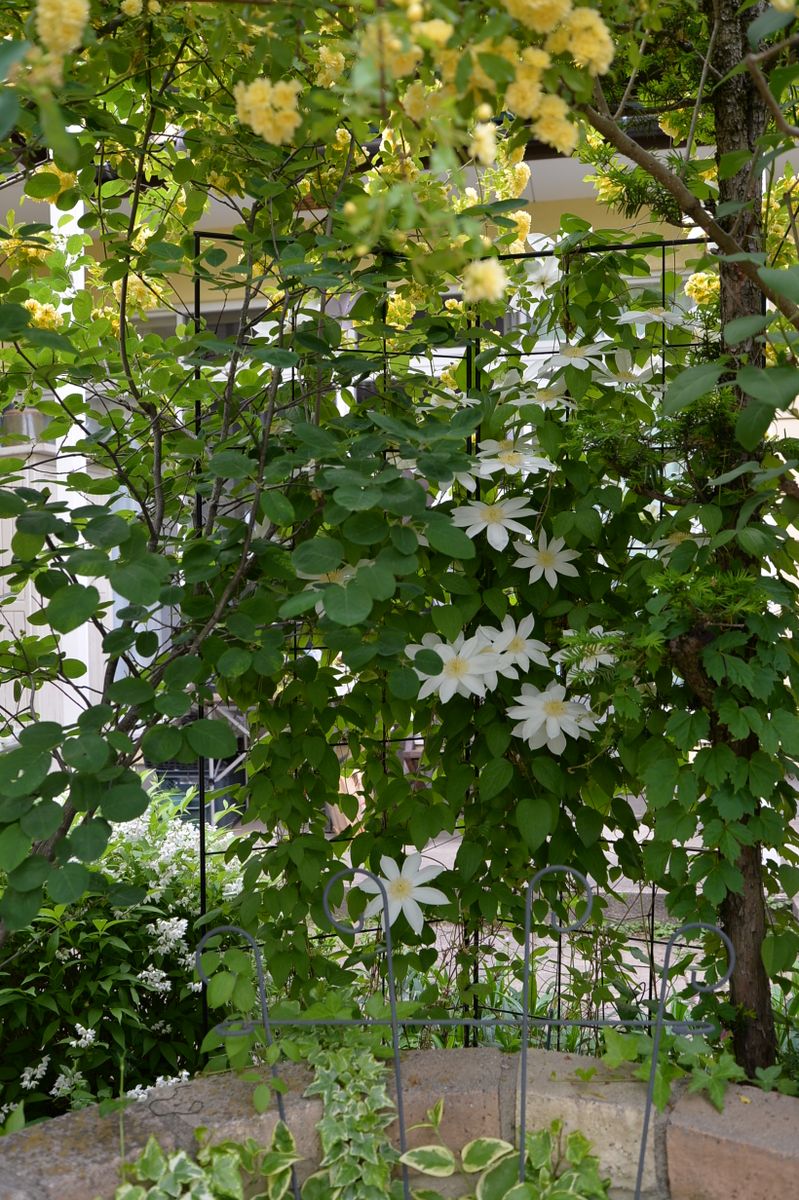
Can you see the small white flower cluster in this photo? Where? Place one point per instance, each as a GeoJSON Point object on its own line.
{"type": "Point", "coordinates": [155, 979]}
{"type": "Point", "coordinates": [67, 952]}
{"type": "Point", "coordinates": [169, 934]}
{"type": "Point", "coordinates": [33, 1075]}
{"type": "Point", "coordinates": [5, 1109]}
{"type": "Point", "coordinates": [86, 1037]}
{"type": "Point", "coordinates": [140, 1092]}
{"type": "Point", "coordinates": [69, 1081]}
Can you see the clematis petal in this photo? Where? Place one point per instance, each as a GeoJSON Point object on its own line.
{"type": "Point", "coordinates": [411, 865]}
{"type": "Point", "coordinates": [429, 895]}
{"type": "Point", "coordinates": [413, 914]}
{"type": "Point", "coordinates": [389, 867]}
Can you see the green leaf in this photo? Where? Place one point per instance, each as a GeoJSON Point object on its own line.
{"type": "Point", "coordinates": [130, 690]}
{"type": "Point", "coordinates": [64, 146]}
{"type": "Point", "coordinates": [161, 743]}
{"type": "Point", "coordinates": [776, 386]}
{"type": "Point", "coordinates": [42, 184]}
{"type": "Point", "coordinates": [231, 464]}
{"type": "Point", "coordinates": [89, 839]}
{"type": "Point", "coordinates": [72, 606]}
{"type": "Point", "coordinates": [763, 26]}
{"type": "Point", "coordinates": [107, 530]}
{"type": "Point", "coordinates": [318, 556]}
{"type": "Point", "coordinates": [68, 883]}
{"type": "Point", "coordinates": [278, 508]}
{"type": "Point", "coordinates": [534, 821]}
{"type": "Point", "coordinates": [220, 988]}
{"type": "Point", "coordinates": [483, 1152]}
{"type": "Point", "coordinates": [125, 802]}
{"type": "Point", "coordinates": [438, 1161]}
{"type": "Point", "coordinates": [449, 539]}
{"type": "Point", "coordinates": [743, 328]}
{"type": "Point", "coordinates": [211, 739]}
{"type": "Point", "coordinates": [348, 605]}
{"type": "Point", "coordinates": [403, 683]}
{"type": "Point", "coordinates": [494, 778]}
{"type": "Point", "coordinates": [44, 735]}
{"type": "Point", "coordinates": [782, 280]}
{"type": "Point", "coordinates": [13, 320]}
{"type": "Point", "coordinates": [262, 1097]}
{"type": "Point", "coordinates": [752, 424]}
{"type": "Point", "coordinates": [88, 753]}
{"type": "Point", "coordinates": [30, 874]}
{"type": "Point", "coordinates": [139, 582]}
{"type": "Point", "coordinates": [693, 384]}
{"type": "Point", "coordinates": [234, 662]}
{"type": "Point", "coordinates": [14, 847]}
{"type": "Point", "coordinates": [498, 1180]}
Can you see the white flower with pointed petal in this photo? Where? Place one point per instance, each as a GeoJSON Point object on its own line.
{"type": "Point", "coordinates": [547, 718]}
{"type": "Point", "coordinates": [430, 641]}
{"type": "Point", "coordinates": [666, 546]}
{"type": "Point", "coordinates": [548, 559]}
{"type": "Point", "coordinates": [465, 665]}
{"type": "Point", "coordinates": [672, 318]}
{"type": "Point", "coordinates": [496, 519]}
{"type": "Point", "coordinates": [406, 888]}
{"type": "Point", "coordinates": [514, 457]}
{"type": "Point", "coordinates": [514, 643]}
{"type": "Point", "coordinates": [584, 358]}
{"type": "Point", "coordinates": [626, 373]}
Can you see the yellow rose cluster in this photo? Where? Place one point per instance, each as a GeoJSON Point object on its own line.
{"type": "Point", "coordinates": [140, 295]}
{"type": "Point", "coordinates": [522, 220]}
{"type": "Point", "coordinates": [703, 288]}
{"type": "Point", "coordinates": [331, 66]}
{"type": "Point", "coordinates": [484, 279]}
{"type": "Point", "coordinates": [269, 108]}
{"type": "Point", "coordinates": [382, 43]}
{"type": "Point", "coordinates": [484, 143]}
{"type": "Point", "coordinates": [539, 15]}
{"type": "Point", "coordinates": [43, 316]}
{"type": "Point", "coordinates": [60, 24]}
{"type": "Point", "coordinates": [400, 311]}
{"type": "Point", "coordinates": [584, 35]}
{"type": "Point", "coordinates": [135, 8]}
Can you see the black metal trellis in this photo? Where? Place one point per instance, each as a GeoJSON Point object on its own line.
{"type": "Point", "coordinates": [650, 248]}
{"type": "Point", "coordinates": [394, 1022]}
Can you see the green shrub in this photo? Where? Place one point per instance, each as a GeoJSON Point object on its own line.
{"type": "Point", "coordinates": [96, 998]}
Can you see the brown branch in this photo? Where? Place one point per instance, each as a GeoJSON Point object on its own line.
{"type": "Point", "coordinates": [688, 204]}
{"type": "Point", "coordinates": [761, 83]}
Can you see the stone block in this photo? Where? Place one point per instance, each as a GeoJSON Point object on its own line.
{"type": "Point", "coordinates": [608, 1110]}
{"type": "Point", "coordinates": [750, 1151]}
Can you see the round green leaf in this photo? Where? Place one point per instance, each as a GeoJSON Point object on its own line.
{"type": "Point", "coordinates": [161, 743]}
{"type": "Point", "coordinates": [211, 739]}
{"type": "Point", "coordinates": [72, 606]}
{"type": "Point", "coordinates": [68, 883]}
{"type": "Point", "coordinates": [234, 662]}
{"type": "Point", "coordinates": [89, 839]}
{"type": "Point", "coordinates": [124, 802]}
{"type": "Point", "coordinates": [347, 605]}
{"type": "Point", "coordinates": [30, 874]}
{"type": "Point", "coordinates": [230, 464]}
{"type": "Point", "coordinates": [277, 508]}
{"type": "Point", "coordinates": [318, 556]}
{"type": "Point", "coordinates": [495, 777]}
{"type": "Point", "coordinates": [130, 690]}
{"type": "Point", "coordinates": [403, 683]}
{"type": "Point", "coordinates": [108, 530]}
{"type": "Point", "coordinates": [449, 539]}
{"type": "Point", "coordinates": [88, 753]}
{"type": "Point", "coordinates": [44, 735]}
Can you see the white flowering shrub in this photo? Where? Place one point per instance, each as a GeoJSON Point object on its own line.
{"type": "Point", "coordinates": [99, 998]}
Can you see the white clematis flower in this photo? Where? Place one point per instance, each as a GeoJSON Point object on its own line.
{"type": "Point", "coordinates": [626, 373]}
{"type": "Point", "coordinates": [514, 644]}
{"type": "Point", "coordinates": [465, 666]}
{"type": "Point", "coordinates": [406, 888]}
{"type": "Point", "coordinates": [548, 559]}
{"type": "Point", "coordinates": [547, 718]}
{"type": "Point", "coordinates": [516, 457]}
{"type": "Point", "coordinates": [672, 318]}
{"type": "Point", "coordinates": [584, 358]}
{"type": "Point", "coordinates": [496, 519]}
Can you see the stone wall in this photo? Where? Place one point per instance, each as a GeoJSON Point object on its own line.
{"type": "Point", "coordinates": [748, 1152]}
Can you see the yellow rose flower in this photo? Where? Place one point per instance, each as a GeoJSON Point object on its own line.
{"type": "Point", "coordinates": [484, 280]}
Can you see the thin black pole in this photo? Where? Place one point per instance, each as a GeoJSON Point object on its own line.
{"type": "Point", "coordinates": [198, 528]}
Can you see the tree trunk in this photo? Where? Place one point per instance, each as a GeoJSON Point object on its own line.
{"type": "Point", "coordinates": [740, 120]}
